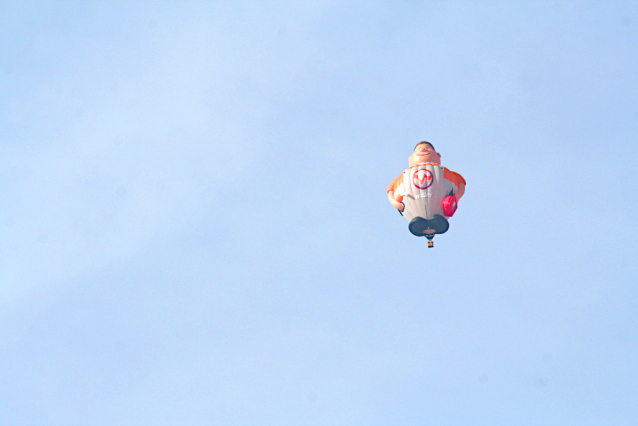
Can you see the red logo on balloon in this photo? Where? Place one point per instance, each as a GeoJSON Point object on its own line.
{"type": "Point", "coordinates": [422, 178]}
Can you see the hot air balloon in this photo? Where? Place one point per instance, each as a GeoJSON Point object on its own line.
{"type": "Point", "coordinates": [426, 193]}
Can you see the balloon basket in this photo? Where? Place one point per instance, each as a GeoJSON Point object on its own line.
{"type": "Point", "coordinates": [430, 242]}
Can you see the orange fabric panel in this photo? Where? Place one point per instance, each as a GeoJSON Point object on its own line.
{"type": "Point", "coordinates": [425, 164]}
{"type": "Point", "coordinates": [395, 183]}
{"type": "Point", "coordinates": [453, 177]}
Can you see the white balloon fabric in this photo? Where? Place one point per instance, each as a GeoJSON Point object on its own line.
{"type": "Point", "coordinates": [423, 190]}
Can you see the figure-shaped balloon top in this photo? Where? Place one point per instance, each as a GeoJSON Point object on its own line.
{"type": "Point", "coordinates": [424, 152]}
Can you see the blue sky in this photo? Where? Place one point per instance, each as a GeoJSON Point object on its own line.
{"type": "Point", "coordinates": [194, 227]}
